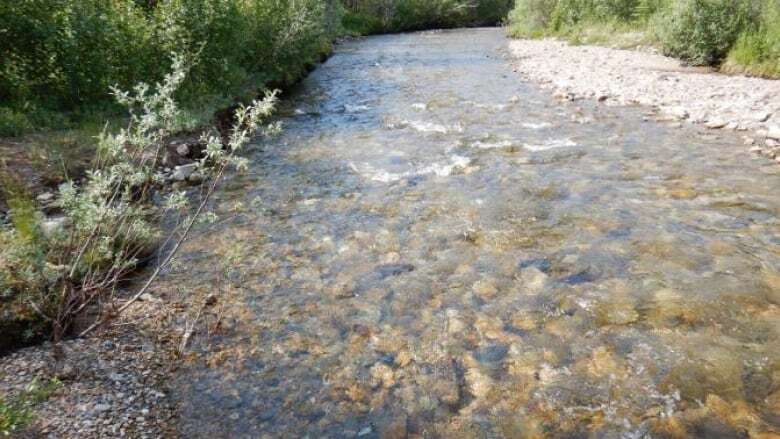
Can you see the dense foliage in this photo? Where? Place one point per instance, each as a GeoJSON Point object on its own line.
{"type": "Point", "coordinates": [757, 50]}
{"type": "Point", "coordinates": [373, 16]}
{"type": "Point", "coordinates": [63, 55]}
{"type": "Point", "coordinates": [701, 32]}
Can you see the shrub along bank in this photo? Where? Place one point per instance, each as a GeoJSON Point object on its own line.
{"type": "Point", "coordinates": [379, 16]}
{"type": "Point", "coordinates": [59, 58]}
{"type": "Point", "coordinates": [741, 35]}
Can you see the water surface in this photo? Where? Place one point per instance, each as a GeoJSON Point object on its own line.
{"type": "Point", "coordinates": [433, 248]}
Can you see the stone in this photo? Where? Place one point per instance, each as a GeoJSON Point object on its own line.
{"type": "Point", "coordinates": [454, 323]}
{"type": "Point", "coordinates": [195, 177]}
{"type": "Point", "coordinates": [616, 312]}
{"type": "Point", "coordinates": [182, 172]}
{"type": "Point", "coordinates": [52, 225]}
{"type": "Point", "coordinates": [382, 375]}
{"type": "Point", "coordinates": [677, 112]}
{"type": "Point", "coordinates": [762, 116]}
{"type": "Point", "coordinates": [604, 363]}
{"type": "Point", "coordinates": [403, 358]}
{"type": "Point", "coordinates": [45, 197]}
{"type": "Point", "coordinates": [183, 150]}
{"type": "Point", "coordinates": [534, 280]}
{"type": "Point", "coordinates": [485, 289]}
{"type": "Point", "coordinates": [715, 124]}
{"type": "Point", "coordinates": [773, 132]}
{"type": "Point", "coordinates": [395, 429]}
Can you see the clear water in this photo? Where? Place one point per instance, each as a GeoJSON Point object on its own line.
{"type": "Point", "coordinates": [434, 248]}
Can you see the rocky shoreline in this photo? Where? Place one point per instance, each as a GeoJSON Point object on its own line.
{"type": "Point", "coordinates": [112, 386]}
{"type": "Point", "coordinates": [674, 92]}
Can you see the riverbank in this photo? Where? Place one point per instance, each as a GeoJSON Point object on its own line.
{"type": "Point", "coordinates": [111, 385]}
{"type": "Point", "coordinates": [674, 93]}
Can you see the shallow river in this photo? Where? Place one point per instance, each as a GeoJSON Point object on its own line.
{"type": "Point", "coordinates": [433, 248]}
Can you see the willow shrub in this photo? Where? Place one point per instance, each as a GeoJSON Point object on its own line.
{"type": "Point", "coordinates": [51, 274]}
{"type": "Point", "coordinates": [63, 55]}
{"type": "Point", "coordinates": [701, 32]}
{"type": "Point", "coordinates": [757, 50]}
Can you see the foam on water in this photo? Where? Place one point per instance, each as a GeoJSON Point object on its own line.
{"type": "Point", "coordinates": [439, 169]}
{"type": "Point", "coordinates": [550, 144]}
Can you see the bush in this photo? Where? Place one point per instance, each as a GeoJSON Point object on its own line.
{"type": "Point", "coordinates": [701, 32]}
{"type": "Point", "coordinates": [531, 18]}
{"type": "Point", "coordinates": [757, 50]}
{"type": "Point", "coordinates": [63, 55]}
{"type": "Point", "coordinates": [13, 123]}
{"type": "Point", "coordinates": [404, 15]}
{"type": "Point", "coordinates": [539, 17]}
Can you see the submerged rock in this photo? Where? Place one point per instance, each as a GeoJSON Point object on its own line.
{"type": "Point", "coordinates": [534, 280]}
{"type": "Point", "coordinates": [616, 311]}
{"type": "Point", "coordinates": [388, 270]}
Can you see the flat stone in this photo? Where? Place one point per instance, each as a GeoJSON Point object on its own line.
{"type": "Point", "coordinates": [45, 197]}
{"type": "Point", "coordinates": [773, 132]}
{"type": "Point", "coordinates": [715, 124]}
{"type": "Point", "coordinates": [182, 172]}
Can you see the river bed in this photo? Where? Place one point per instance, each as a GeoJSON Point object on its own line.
{"type": "Point", "coordinates": [434, 248]}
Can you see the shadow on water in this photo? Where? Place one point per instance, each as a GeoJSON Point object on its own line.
{"type": "Point", "coordinates": [435, 249]}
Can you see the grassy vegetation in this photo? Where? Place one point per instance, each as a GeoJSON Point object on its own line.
{"type": "Point", "coordinates": [378, 16]}
{"type": "Point", "coordinates": [743, 33]}
{"type": "Point", "coordinates": [17, 413]}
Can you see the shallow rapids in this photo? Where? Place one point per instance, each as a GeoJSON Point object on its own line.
{"type": "Point", "coordinates": [435, 249]}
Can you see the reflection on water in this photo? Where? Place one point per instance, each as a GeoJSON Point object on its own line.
{"type": "Point", "coordinates": [434, 249]}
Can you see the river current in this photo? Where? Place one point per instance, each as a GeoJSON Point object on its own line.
{"type": "Point", "coordinates": [433, 248]}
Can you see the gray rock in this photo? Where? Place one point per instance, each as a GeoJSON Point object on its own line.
{"type": "Point", "coordinates": [183, 150]}
{"type": "Point", "coordinates": [53, 225]}
{"type": "Point", "coordinates": [100, 408]}
{"type": "Point", "coordinates": [182, 172]}
{"type": "Point", "coordinates": [45, 197]}
{"type": "Point", "coordinates": [195, 177]}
